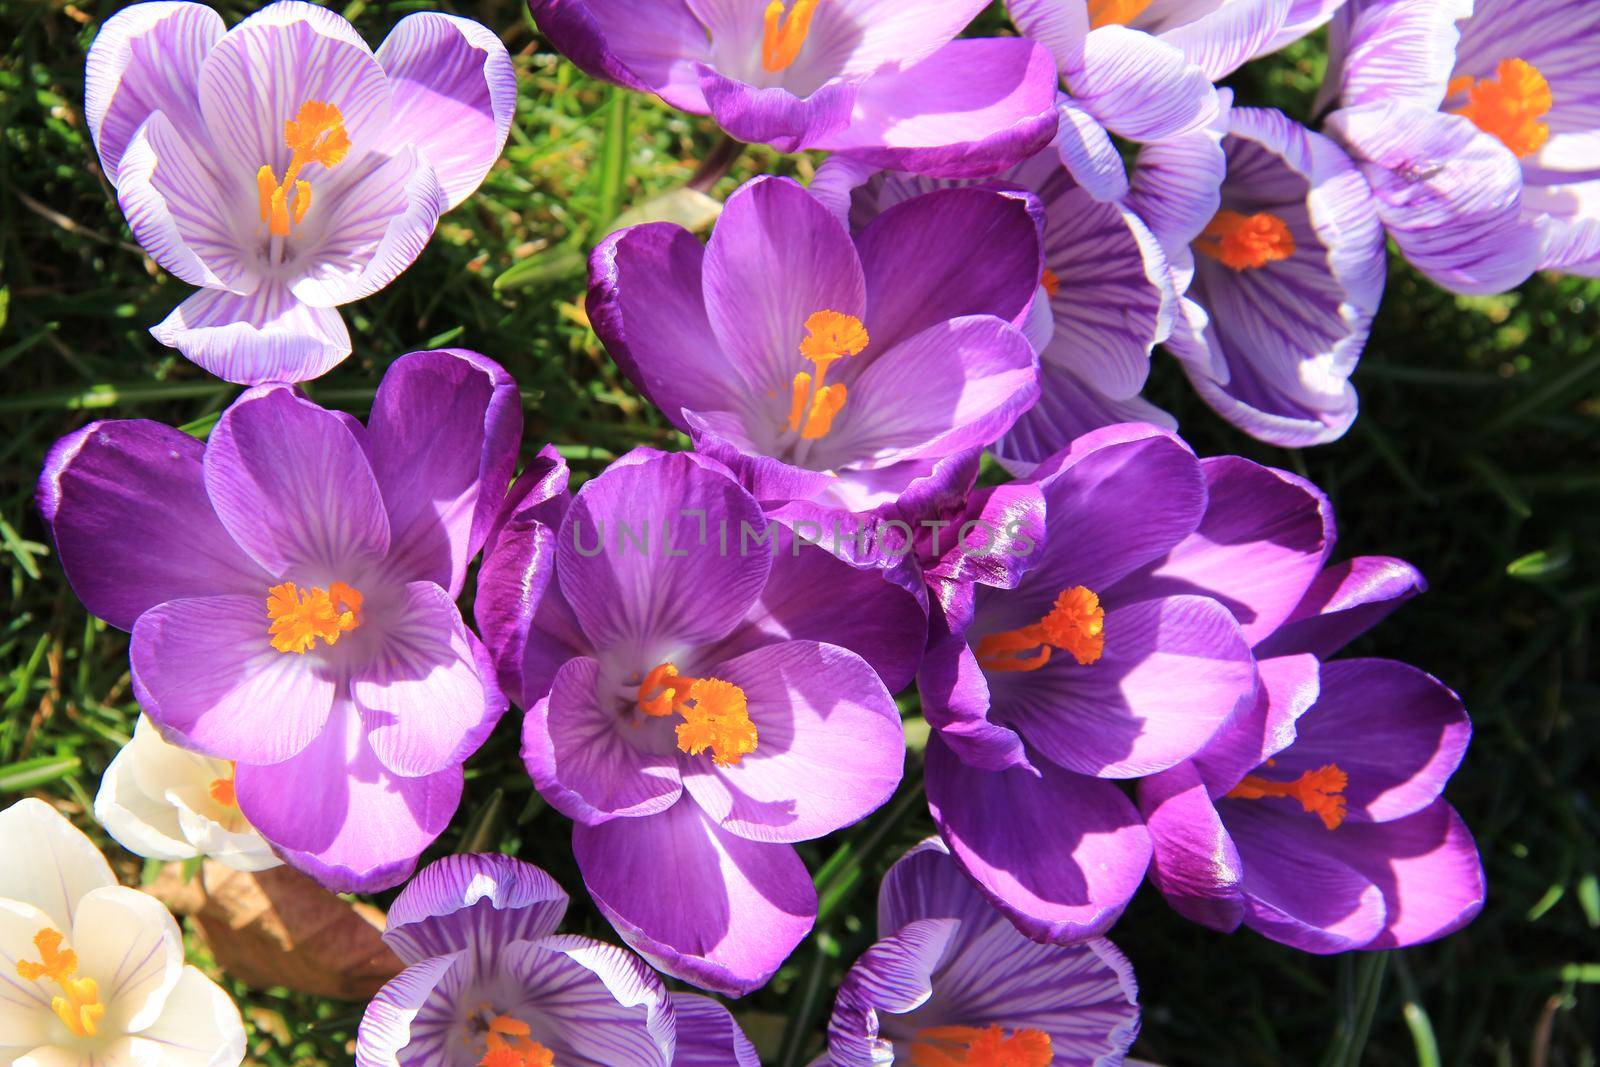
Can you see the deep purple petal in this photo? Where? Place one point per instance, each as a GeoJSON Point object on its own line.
{"type": "Point", "coordinates": [774, 115]}
{"type": "Point", "coordinates": [656, 48]}
{"type": "Point", "coordinates": [1289, 686]}
{"type": "Point", "coordinates": [1193, 863]}
{"type": "Point", "coordinates": [476, 902]}
{"type": "Point", "coordinates": [268, 336]}
{"type": "Point", "coordinates": [955, 700]}
{"type": "Point", "coordinates": [1067, 409]}
{"type": "Point", "coordinates": [1345, 601]}
{"type": "Point", "coordinates": [1428, 869]}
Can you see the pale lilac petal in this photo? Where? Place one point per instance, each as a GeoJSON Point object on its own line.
{"type": "Point", "coordinates": [1428, 869]}
{"type": "Point", "coordinates": [1140, 87]}
{"type": "Point", "coordinates": [1393, 51]}
{"type": "Point", "coordinates": [708, 1035]}
{"type": "Point", "coordinates": [1304, 18]}
{"type": "Point", "coordinates": [1344, 602]}
{"type": "Point", "coordinates": [268, 336]}
{"type": "Point", "coordinates": [590, 1002]}
{"type": "Point", "coordinates": [893, 977]}
{"type": "Point", "coordinates": [475, 902]}
{"type": "Point", "coordinates": [384, 1037]}
{"type": "Point", "coordinates": [1060, 25]}
{"type": "Point", "coordinates": [1176, 187]}
{"type": "Point", "coordinates": [1222, 39]}
{"type": "Point", "coordinates": [1194, 863]}
{"type": "Point", "coordinates": [1087, 151]}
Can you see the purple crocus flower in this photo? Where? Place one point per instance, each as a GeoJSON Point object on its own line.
{"type": "Point", "coordinates": [879, 79]}
{"type": "Point", "coordinates": [1074, 666]}
{"type": "Point", "coordinates": [950, 982]}
{"type": "Point", "coordinates": [489, 983]}
{"type": "Point", "coordinates": [836, 372]}
{"type": "Point", "coordinates": [290, 587]}
{"type": "Point", "coordinates": [698, 700]}
{"type": "Point", "coordinates": [286, 169]}
{"type": "Point", "coordinates": [1314, 819]}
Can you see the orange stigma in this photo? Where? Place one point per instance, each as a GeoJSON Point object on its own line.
{"type": "Point", "coordinates": [830, 335]}
{"type": "Point", "coordinates": [784, 36]}
{"type": "Point", "coordinates": [222, 791]}
{"type": "Point", "coordinates": [1051, 282]}
{"type": "Point", "coordinates": [1076, 624]}
{"type": "Point", "coordinates": [509, 1045]}
{"type": "Point", "coordinates": [315, 135]}
{"type": "Point", "coordinates": [1115, 12]}
{"type": "Point", "coordinates": [1509, 105]}
{"type": "Point", "coordinates": [79, 1007]}
{"type": "Point", "coordinates": [1320, 792]}
{"type": "Point", "coordinates": [715, 714]}
{"type": "Point", "coordinates": [299, 618]}
{"type": "Point", "coordinates": [1245, 242]}
{"type": "Point", "coordinates": [972, 1046]}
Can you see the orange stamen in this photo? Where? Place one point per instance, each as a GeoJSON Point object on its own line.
{"type": "Point", "coordinates": [1076, 623]}
{"type": "Point", "coordinates": [79, 1007]}
{"type": "Point", "coordinates": [1509, 105]}
{"type": "Point", "coordinates": [715, 713]}
{"type": "Point", "coordinates": [299, 618]}
{"type": "Point", "coordinates": [1245, 242]}
{"type": "Point", "coordinates": [783, 37]}
{"type": "Point", "coordinates": [972, 1046]}
{"type": "Point", "coordinates": [315, 135]}
{"type": "Point", "coordinates": [222, 791]}
{"type": "Point", "coordinates": [508, 1045]}
{"type": "Point", "coordinates": [1115, 12]}
{"type": "Point", "coordinates": [1051, 282]}
{"type": "Point", "coordinates": [1320, 792]}
{"type": "Point", "coordinates": [830, 336]}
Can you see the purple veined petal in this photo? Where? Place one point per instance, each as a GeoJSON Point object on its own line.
{"type": "Point", "coordinates": [1304, 18]}
{"type": "Point", "coordinates": [1222, 39]}
{"type": "Point", "coordinates": [453, 93]}
{"type": "Point", "coordinates": [264, 69]}
{"type": "Point", "coordinates": [592, 762]}
{"type": "Point", "coordinates": [477, 902]}
{"type": "Point", "coordinates": [428, 697]}
{"type": "Point", "coordinates": [1062, 27]}
{"type": "Point", "coordinates": [636, 565]}
{"type": "Point", "coordinates": [754, 900]}
{"type": "Point", "coordinates": [947, 254]}
{"type": "Point", "coordinates": [268, 336]}
{"type": "Point", "coordinates": [970, 110]}
{"type": "Point", "coordinates": [127, 510]}
{"type": "Point", "coordinates": [384, 1037]}
{"type": "Point", "coordinates": [335, 812]}
{"type": "Point", "coordinates": [1392, 51]}
{"type": "Point", "coordinates": [892, 977]}
{"type": "Point", "coordinates": [956, 701]}
{"type": "Point", "coordinates": [647, 306]}
{"type": "Point", "coordinates": [1176, 186]}
{"type": "Point", "coordinates": [1344, 602]}
{"type": "Point", "coordinates": [1062, 862]}
{"type": "Point", "coordinates": [926, 884]}
{"type": "Point", "coordinates": [830, 746]}
{"type": "Point", "coordinates": [205, 671]}
{"type": "Point", "coordinates": [178, 210]}
{"type": "Point", "coordinates": [774, 115]}
{"type": "Point", "coordinates": [144, 59]}
{"type": "Point", "coordinates": [653, 49]}
{"type": "Point", "coordinates": [443, 435]}
{"type": "Point", "coordinates": [1289, 686]}
{"type": "Point", "coordinates": [1397, 732]}
{"type": "Point", "coordinates": [1298, 890]}
{"type": "Point", "coordinates": [1572, 220]}
{"type": "Point", "coordinates": [1067, 409]}
{"type": "Point", "coordinates": [708, 1035]}
{"type": "Point", "coordinates": [293, 486]}
{"type": "Point", "coordinates": [1193, 863]}
{"type": "Point", "coordinates": [1448, 194]}
{"type": "Point", "coordinates": [525, 621]}
{"type": "Point", "coordinates": [1174, 671]}
{"type": "Point", "coordinates": [1140, 87]}
{"type": "Point", "coordinates": [1087, 151]}
{"type": "Point", "coordinates": [1260, 545]}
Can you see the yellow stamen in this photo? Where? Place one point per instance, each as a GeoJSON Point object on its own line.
{"type": "Point", "coordinates": [715, 713]}
{"type": "Point", "coordinates": [299, 618]}
{"type": "Point", "coordinates": [1320, 792]}
{"type": "Point", "coordinates": [784, 36]}
{"type": "Point", "coordinates": [222, 791]}
{"type": "Point", "coordinates": [1076, 623]}
{"type": "Point", "coordinates": [315, 135]}
{"type": "Point", "coordinates": [1115, 12]}
{"type": "Point", "coordinates": [1509, 105]}
{"type": "Point", "coordinates": [79, 1008]}
{"type": "Point", "coordinates": [830, 336]}
{"type": "Point", "coordinates": [1245, 242]}
{"type": "Point", "coordinates": [1051, 282]}
{"type": "Point", "coordinates": [972, 1046]}
{"type": "Point", "coordinates": [508, 1045]}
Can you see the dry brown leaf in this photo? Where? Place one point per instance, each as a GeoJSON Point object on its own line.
{"type": "Point", "coordinates": [280, 928]}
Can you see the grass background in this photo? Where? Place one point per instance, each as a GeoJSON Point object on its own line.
{"type": "Point", "coordinates": [1477, 458]}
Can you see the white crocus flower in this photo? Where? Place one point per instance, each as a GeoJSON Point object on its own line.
{"type": "Point", "coordinates": [91, 972]}
{"type": "Point", "coordinates": [167, 803]}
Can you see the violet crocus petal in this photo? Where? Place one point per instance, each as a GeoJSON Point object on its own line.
{"type": "Point", "coordinates": [853, 39]}
{"type": "Point", "coordinates": [1176, 186]}
{"type": "Point", "coordinates": [1087, 151]}
{"type": "Point", "coordinates": [1393, 51]}
{"type": "Point", "coordinates": [1397, 732]}
{"type": "Point", "coordinates": [708, 1035]}
{"type": "Point", "coordinates": [754, 900]}
{"type": "Point", "coordinates": [947, 254]}
{"type": "Point", "coordinates": [658, 48]}
{"type": "Point", "coordinates": [454, 92]}
{"type": "Point", "coordinates": [1067, 408]}
{"type": "Point", "coordinates": [443, 439]}
{"type": "Point", "coordinates": [830, 746]}
{"type": "Point", "coordinates": [1304, 18]}
{"type": "Point", "coordinates": [1222, 39]}
{"type": "Point", "coordinates": [206, 672]}
{"type": "Point", "coordinates": [384, 1038]}
{"type": "Point", "coordinates": [998, 535]}
{"type": "Point", "coordinates": [1344, 602]}
{"type": "Point", "coordinates": [892, 977]}
{"type": "Point", "coordinates": [1193, 863]}
{"type": "Point", "coordinates": [126, 506]}
{"type": "Point", "coordinates": [1259, 547]}
{"type": "Point", "coordinates": [335, 812]}
{"type": "Point", "coordinates": [1139, 87]}
{"type": "Point", "coordinates": [476, 902]}
{"type": "Point", "coordinates": [1448, 194]}
{"type": "Point", "coordinates": [667, 588]}
{"type": "Point", "coordinates": [181, 213]}
{"type": "Point", "coordinates": [955, 700]}
{"type": "Point", "coordinates": [599, 1003]}
{"type": "Point", "coordinates": [514, 587]}
{"type": "Point", "coordinates": [428, 696]}
{"type": "Point", "coordinates": [1174, 671]}
{"type": "Point", "coordinates": [1428, 869]}
{"type": "Point", "coordinates": [1289, 686]}
{"type": "Point", "coordinates": [267, 336]}
{"type": "Point", "coordinates": [582, 759]}
{"type": "Point", "coordinates": [146, 58]}
{"type": "Point", "coordinates": [262, 71]}
{"type": "Point", "coordinates": [293, 486]}
{"type": "Point", "coordinates": [774, 115]}
{"type": "Point", "coordinates": [1063, 863]}
{"type": "Point", "coordinates": [971, 109]}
